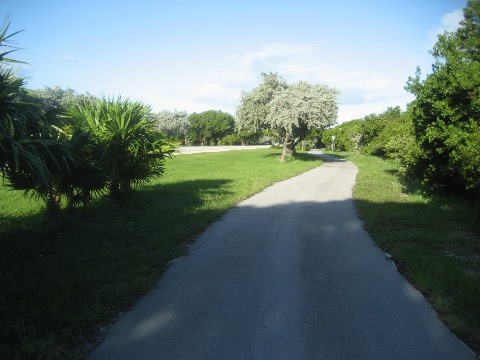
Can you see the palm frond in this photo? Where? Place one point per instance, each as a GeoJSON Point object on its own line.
{"type": "Point", "coordinates": [130, 148]}
{"type": "Point", "coordinates": [4, 37]}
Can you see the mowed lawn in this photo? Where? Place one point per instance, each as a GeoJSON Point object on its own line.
{"type": "Point", "coordinates": [59, 286]}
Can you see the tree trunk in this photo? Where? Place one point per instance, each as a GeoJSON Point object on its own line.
{"type": "Point", "coordinates": [115, 193]}
{"type": "Point", "coordinates": [53, 208]}
{"type": "Point", "coordinates": [287, 151]}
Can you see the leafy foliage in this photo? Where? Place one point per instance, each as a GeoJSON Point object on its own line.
{"type": "Point", "coordinates": [388, 134]}
{"type": "Point", "coordinates": [242, 137]}
{"type": "Point", "coordinates": [301, 107]}
{"type": "Point", "coordinates": [374, 137]}
{"type": "Point", "coordinates": [398, 140]}
{"type": "Point", "coordinates": [5, 43]}
{"type": "Point", "coordinates": [30, 158]}
{"type": "Point", "coordinates": [57, 100]}
{"type": "Point", "coordinates": [290, 112]}
{"type": "Point", "coordinates": [100, 143]}
{"type": "Point", "coordinates": [53, 103]}
{"type": "Point", "coordinates": [123, 140]}
{"type": "Point", "coordinates": [210, 126]}
{"type": "Point", "coordinates": [175, 124]}
{"type": "Point", "coordinates": [446, 111]}
{"type": "Point", "coordinates": [253, 110]}
{"type": "Point", "coordinates": [344, 135]}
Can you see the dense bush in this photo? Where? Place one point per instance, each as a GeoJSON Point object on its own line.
{"type": "Point", "coordinates": [398, 140]}
{"type": "Point", "coordinates": [129, 148]}
{"type": "Point", "coordinates": [389, 134]}
{"type": "Point", "coordinates": [345, 135]}
{"type": "Point", "coordinates": [174, 124]}
{"type": "Point", "coordinates": [210, 126]}
{"type": "Point", "coordinates": [374, 136]}
{"type": "Point", "coordinates": [232, 139]}
{"type": "Point", "coordinates": [446, 111]}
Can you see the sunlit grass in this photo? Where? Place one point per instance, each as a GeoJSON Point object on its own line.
{"type": "Point", "coordinates": [435, 242]}
{"type": "Point", "coordinates": [59, 286]}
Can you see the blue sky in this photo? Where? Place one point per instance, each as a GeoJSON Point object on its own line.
{"type": "Point", "coordinates": [200, 55]}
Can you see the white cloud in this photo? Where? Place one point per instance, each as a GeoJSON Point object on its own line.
{"type": "Point", "coordinates": [223, 95]}
{"type": "Point", "coordinates": [364, 89]}
{"type": "Point", "coordinates": [212, 96]}
{"type": "Point", "coordinates": [347, 112]}
{"type": "Point", "coordinates": [311, 62]}
{"type": "Point", "coordinates": [449, 22]}
{"type": "Point", "coordinates": [276, 51]}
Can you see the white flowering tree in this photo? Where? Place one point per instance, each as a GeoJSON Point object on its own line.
{"type": "Point", "coordinates": [174, 123]}
{"type": "Point", "coordinates": [289, 111]}
{"type": "Point", "coordinates": [253, 110]}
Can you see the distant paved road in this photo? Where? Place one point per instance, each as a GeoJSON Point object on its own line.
{"type": "Point", "coordinates": [205, 149]}
{"type": "Point", "coordinates": [288, 274]}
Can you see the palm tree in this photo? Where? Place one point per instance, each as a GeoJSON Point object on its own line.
{"type": "Point", "coordinates": [128, 146]}
{"type": "Point", "coordinates": [30, 158]}
{"type": "Point", "coordinates": [15, 116]}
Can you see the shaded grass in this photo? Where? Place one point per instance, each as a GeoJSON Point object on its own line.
{"type": "Point", "coordinates": [60, 288]}
{"type": "Point", "coordinates": [435, 242]}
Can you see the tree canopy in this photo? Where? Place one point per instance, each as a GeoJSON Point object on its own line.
{"type": "Point", "coordinates": [253, 110]}
{"type": "Point", "coordinates": [388, 134]}
{"type": "Point", "coordinates": [289, 111]}
{"type": "Point", "coordinates": [174, 123]}
{"type": "Point", "coordinates": [446, 110]}
{"type": "Point", "coordinates": [130, 149]}
{"type": "Point", "coordinates": [210, 126]}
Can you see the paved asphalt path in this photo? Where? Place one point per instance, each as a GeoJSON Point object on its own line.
{"type": "Point", "coordinates": [288, 274]}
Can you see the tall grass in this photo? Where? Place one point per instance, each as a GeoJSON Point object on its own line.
{"type": "Point", "coordinates": [58, 288]}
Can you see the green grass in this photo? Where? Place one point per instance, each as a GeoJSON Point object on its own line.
{"type": "Point", "coordinates": [58, 287]}
{"type": "Point", "coordinates": [435, 242]}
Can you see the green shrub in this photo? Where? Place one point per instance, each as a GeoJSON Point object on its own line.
{"type": "Point", "coordinates": [345, 135]}
{"type": "Point", "coordinates": [232, 139]}
{"type": "Point", "coordinates": [446, 111]}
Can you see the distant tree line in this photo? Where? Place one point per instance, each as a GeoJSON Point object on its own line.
{"type": "Point", "coordinates": [212, 127]}
{"type": "Point", "coordinates": [273, 112]}
{"type": "Point", "coordinates": [437, 139]}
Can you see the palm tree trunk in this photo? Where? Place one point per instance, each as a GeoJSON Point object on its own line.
{"type": "Point", "coordinates": [53, 208]}
{"type": "Point", "coordinates": [115, 193]}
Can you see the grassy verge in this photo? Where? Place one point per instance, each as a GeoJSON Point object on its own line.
{"type": "Point", "coordinates": [435, 242]}
{"type": "Point", "coordinates": [57, 288]}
